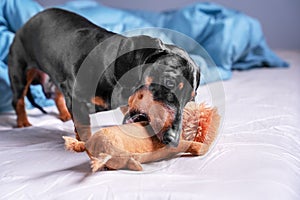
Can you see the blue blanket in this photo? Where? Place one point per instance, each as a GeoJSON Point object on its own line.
{"type": "Point", "coordinates": [232, 39]}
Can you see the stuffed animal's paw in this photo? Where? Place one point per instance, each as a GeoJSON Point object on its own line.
{"type": "Point", "coordinates": [198, 149]}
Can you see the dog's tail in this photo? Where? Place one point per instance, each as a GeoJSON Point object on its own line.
{"type": "Point", "coordinates": [32, 101]}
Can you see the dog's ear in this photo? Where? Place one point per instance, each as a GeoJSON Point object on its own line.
{"type": "Point", "coordinates": [197, 77]}
{"type": "Point", "coordinates": [133, 52]}
{"type": "Point", "coordinates": [154, 55]}
{"type": "Point", "coordinates": [191, 66]}
{"type": "Point", "coordinates": [142, 45]}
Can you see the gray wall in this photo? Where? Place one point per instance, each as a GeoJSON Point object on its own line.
{"type": "Point", "coordinates": [280, 19]}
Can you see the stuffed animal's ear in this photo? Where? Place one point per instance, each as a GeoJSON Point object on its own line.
{"type": "Point", "coordinates": [200, 123]}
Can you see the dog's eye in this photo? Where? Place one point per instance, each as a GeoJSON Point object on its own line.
{"type": "Point", "coordinates": [170, 83]}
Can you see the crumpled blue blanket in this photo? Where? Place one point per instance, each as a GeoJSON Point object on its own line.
{"type": "Point", "coordinates": [232, 39]}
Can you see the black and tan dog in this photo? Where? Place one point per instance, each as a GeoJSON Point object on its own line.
{"type": "Point", "coordinates": [98, 70]}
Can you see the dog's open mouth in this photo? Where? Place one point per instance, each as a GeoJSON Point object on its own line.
{"type": "Point", "coordinates": [135, 116]}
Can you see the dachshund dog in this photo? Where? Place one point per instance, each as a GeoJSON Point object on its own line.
{"type": "Point", "coordinates": [97, 70]}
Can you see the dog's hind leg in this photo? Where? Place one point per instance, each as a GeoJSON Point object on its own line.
{"type": "Point", "coordinates": [17, 68]}
{"type": "Point", "coordinates": [20, 84]}
{"type": "Point", "coordinates": [81, 119]}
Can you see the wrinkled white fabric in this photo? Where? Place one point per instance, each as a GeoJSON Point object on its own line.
{"type": "Point", "coordinates": [257, 155]}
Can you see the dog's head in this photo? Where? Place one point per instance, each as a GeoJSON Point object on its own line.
{"type": "Point", "coordinates": [170, 81]}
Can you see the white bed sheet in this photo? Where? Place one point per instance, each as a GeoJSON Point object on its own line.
{"type": "Point", "coordinates": [257, 155]}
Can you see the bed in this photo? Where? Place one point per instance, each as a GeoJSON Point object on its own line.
{"type": "Point", "coordinates": [257, 155]}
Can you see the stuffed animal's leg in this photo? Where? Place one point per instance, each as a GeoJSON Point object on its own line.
{"type": "Point", "coordinates": [100, 161]}
{"type": "Point", "coordinates": [122, 160]}
{"type": "Point", "coordinates": [195, 148]}
{"type": "Point", "coordinates": [114, 162]}
{"type": "Point", "coordinates": [135, 165]}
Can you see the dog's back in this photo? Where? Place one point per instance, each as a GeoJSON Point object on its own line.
{"type": "Point", "coordinates": [51, 34]}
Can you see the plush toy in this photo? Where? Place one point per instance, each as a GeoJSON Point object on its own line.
{"type": "Point", "coordinates": [129, 145]}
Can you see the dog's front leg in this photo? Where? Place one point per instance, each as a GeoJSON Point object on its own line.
{"type": "Point", "coordinates": [81, 120]}
{"type": "Point", "coordinates": [64, 114]}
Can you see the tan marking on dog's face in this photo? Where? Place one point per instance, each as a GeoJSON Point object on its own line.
{"type": "Point", "coordinates": [99, 102]}
{"type": "Point", "coordinates": [180, 85]}
{"type": "Point", "coordinates": [160, 116]}
{"type": "Point", "coordinates": [148, 81]}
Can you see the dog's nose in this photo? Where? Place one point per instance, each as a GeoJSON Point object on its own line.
{"type": "Point", "coordinates": [171, 138]}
